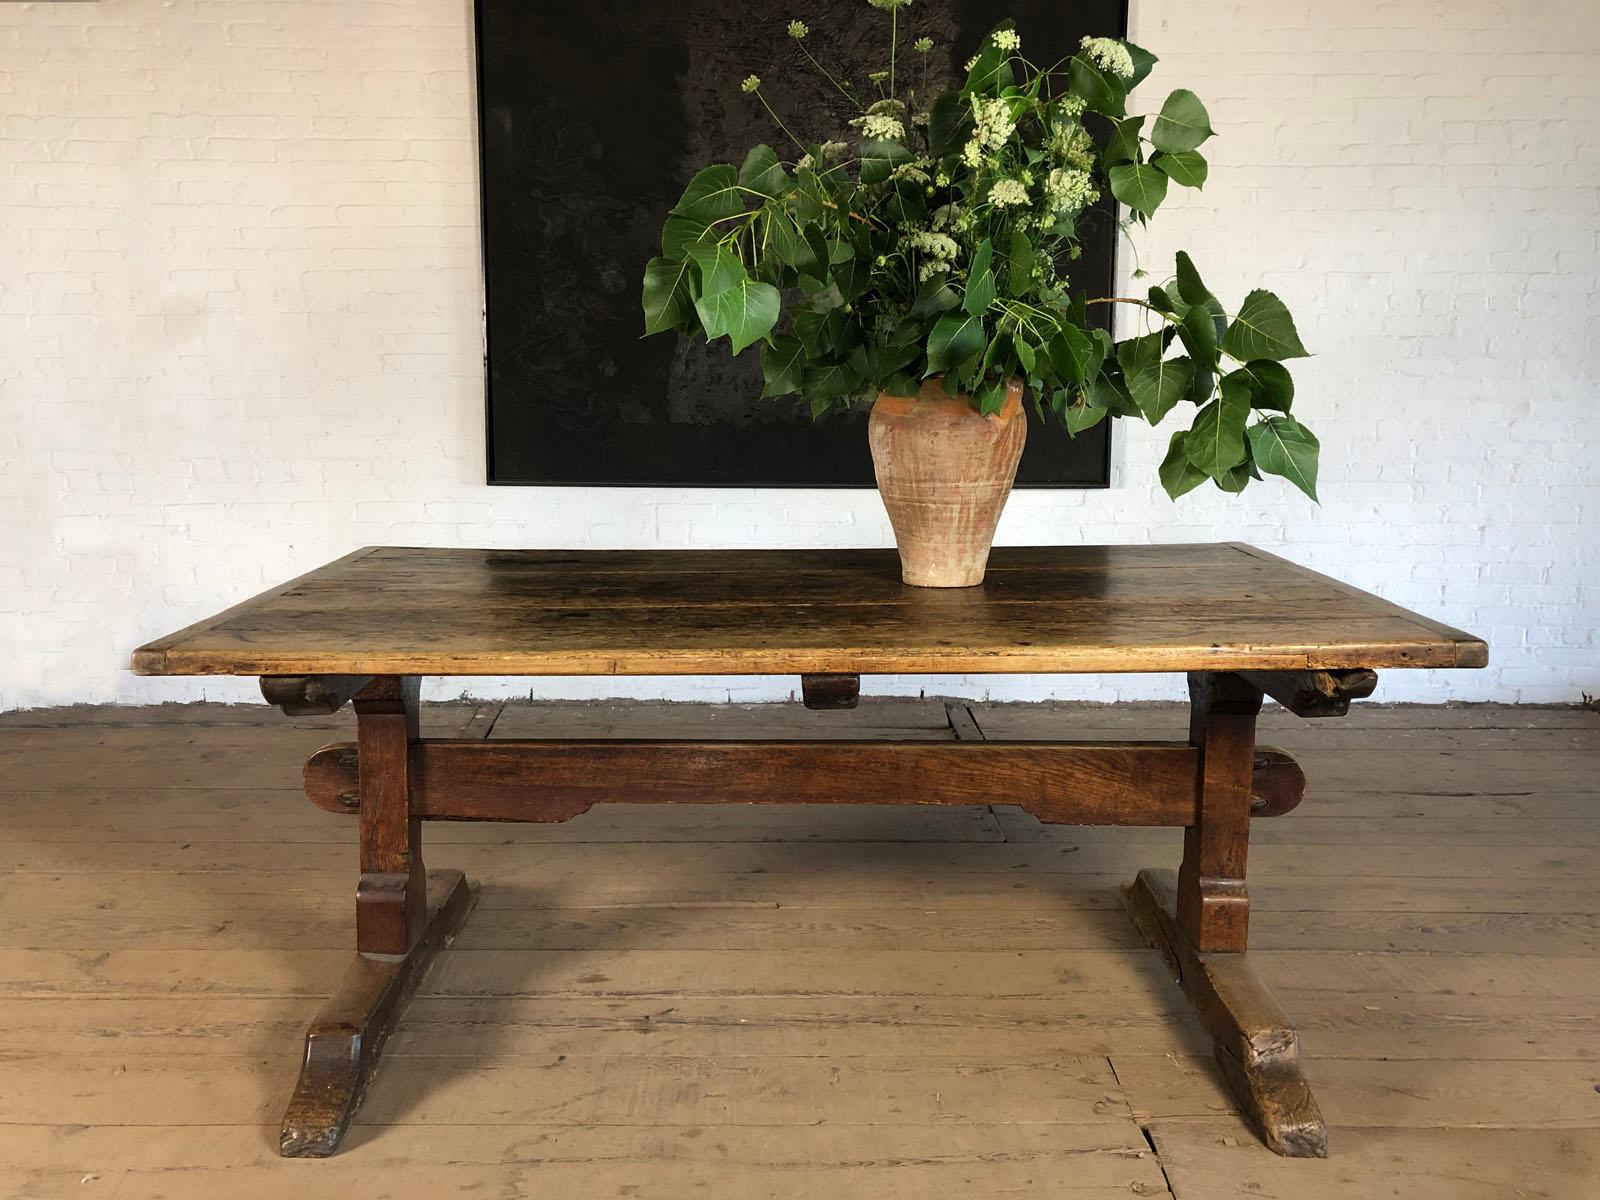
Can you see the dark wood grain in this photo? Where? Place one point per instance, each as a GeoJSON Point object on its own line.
{"type": "Point", "coordinates": [343, 1043]}
{"type": "Point", "coordinates": [1213, 906]}
{"type": "Point", "coordinates": [1112, 783]}
{"type": "Point", "coordinates": [1277, 783]}
{"type": "Point", "coordinates": [821, 692]}
{"type": "Point", "coordinates": [391, 896]}
{"type": "Point", "coordinates": [1315, 693]}
{"type": "Point", "coordinates": [1041, 609]}
{"type": "Point", "coordinates": [1255, 1043]}
{"type": "Point", "coordinates": [311, 695]}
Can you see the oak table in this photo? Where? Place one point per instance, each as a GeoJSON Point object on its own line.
{"type": "Point", "coordinates": [1241, 623]}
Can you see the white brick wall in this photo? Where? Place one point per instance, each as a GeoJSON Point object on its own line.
{"type": "Point", "coordinates": [239, 325]}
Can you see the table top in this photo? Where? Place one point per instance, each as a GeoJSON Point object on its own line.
{"type": "Point", "coordinates": [1043, 609]}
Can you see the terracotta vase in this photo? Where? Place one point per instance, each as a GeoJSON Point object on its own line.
{"type": "Point", "coordinates": [944, 472]}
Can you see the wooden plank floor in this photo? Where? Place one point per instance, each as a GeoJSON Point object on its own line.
{"type": "Point", "coordinates": [798, 1002]}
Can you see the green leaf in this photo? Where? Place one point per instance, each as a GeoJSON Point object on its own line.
{"type": "Point", "coordinates": [745, 312]}
{"type": "Point", "coordinates": [762, 172]}
{"type": "Point", "coordinates": [1199, 334]}
{"type": "Point", "coordinates": [935, 296]}
{"type": "Point", "coordinates": [1183, 123]}
{"type": "Point", "coordinates": [949, 123]}
{"type": "Point", "coordinates": [1157, 386]}
{"type": "Point", "coordinates": [788, 242]}
{"type": "Point", "coordinates": [783, 365]}
{"type": "Point", "coordinates": [830, 379]}
{"type": "Point", "coordinates": [1262, 328]}
{"type": "Point", "coordinates": [880, 157]}
{"type": "Point", "coordinates": [852, 275]}
{"type": "Point", "coordinates": [1139, 352]}
{"type": "Point", "coordinates": [1270, 382]}
{"type": "Point", "coordinates": [1190, 286]}
{"type": "Point", "coordinates": [980, 290]}
{"type": "Point", "coordinates": [1178, 474]}
{"type": "Point", "coordinates": [1103, 92]}
{"type": "Point", "coordinates": [1123, 145]}
{"type": "Point", "coordinates": [1076, 357]}
{"type": "Point", "coordinates": [900, 384]}
{"type": "Point", "coordinates": [680, 235]}
{"type": "Point", "coordinates": [1141, 188]}
{"type": "Point", "coordinates": [712, 195]}
{"type": "Point", "coordinates": [720, 269]}
{"type": "Point", "coordinates": [1020, 276]}
{"type": "Point", "coordinates": [808, 197]}
{"type": "Point", "coordinates": [1283, 446]}
{"type": "Point", "coordinates": [1026, 354]}
{"type": "Point", "coordinates": [1216, 440]}
{"type": "Point", "coordinates": [1081, 416]}
{"type": "Point", "coordinates": [1143, 60]}
{"type": "Point", "coordinates": [956, 339]}
{"type": "Point", "coordinates": [1161, 300]}
{"type": "Point", "coordinates": [1108, 393]}
{"type": "Point", "coordinates": [992, 68]}
{"type": "Point", "coordinates": [1185, 167]}
{"type": "Point", "coordinates": [667, 301]}
{"type": "Point", "coordinates": [991, 397]}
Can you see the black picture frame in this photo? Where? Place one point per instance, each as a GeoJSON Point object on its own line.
{"type": "Point", "coordinates": [591, 118]}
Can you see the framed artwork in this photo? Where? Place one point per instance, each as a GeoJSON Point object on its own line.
{"type": "Point", "coordinates": [592, 118]}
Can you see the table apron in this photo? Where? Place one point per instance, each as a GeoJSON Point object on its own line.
{"type": "Point", "coordinates": [1087, 783]}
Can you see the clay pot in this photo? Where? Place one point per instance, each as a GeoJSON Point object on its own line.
{"type": "Point", "coordinates": [944, 472]}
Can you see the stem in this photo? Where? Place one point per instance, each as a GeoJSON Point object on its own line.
{"type": "Point", "coordinates": [839, 87]}
{"type": "Point", "coordinates": [894, 37]}
{"type": "Point", "coordinates": [779, 120]}
{"type": "Point", "coordinates": [1128, 300]}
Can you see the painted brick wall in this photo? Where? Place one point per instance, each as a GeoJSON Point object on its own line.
{"type": "Point", "coordinates": [240, 311]}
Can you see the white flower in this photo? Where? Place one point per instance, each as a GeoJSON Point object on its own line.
{"type": "Point", "coordinates": [972, 155]}
{"type": "Point", "coordinates": [939, 251]}
{"type": "Point", "coordinates": [1007, 192]}
{"type": "Point", "coordinates": [1007, 39]}
{"type": "Point", "coordinates": [1109, 55]}
{"type": "Point", "coordinates": [909, 171]}
{"type": "Point", "coordinates": [883, 127]}
{"type": "Point", "coordinates": [751, 83]}
{"type": "Point", "coordinates": [1072, 145]}
{"type": "Point", "coordinates": [935, 245]}
{"type": "Point", "coordinates": [1072, 105]}
{"type": "Point", "coordinates": [945, 215]}
{"type": "Point", "coordinates": [992, 121]}
{"type": "Point", "coordinates": [833, 150]}
{"type": "Point", "coordinates": [888, 4]}
{"type": "Point", "coordinates": [971, 62]}
{"type": "Point", "coordinates": [922, 45]}
{"type": "Point", "coordinates": [1069, 190]}
{"type": "Point", "coordinates": [798, 30]}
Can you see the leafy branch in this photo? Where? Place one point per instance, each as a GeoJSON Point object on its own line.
{"type": "Point", "coordinates": [933, 243]}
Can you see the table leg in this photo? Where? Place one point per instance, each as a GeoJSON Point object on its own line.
{"type": "Point", "coordinates": [404, 916]}
{"type": "Point", "coordinates": [1198, 918]}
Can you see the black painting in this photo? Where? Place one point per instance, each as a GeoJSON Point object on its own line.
{"type": "Point", "coordinates": [592, 118]}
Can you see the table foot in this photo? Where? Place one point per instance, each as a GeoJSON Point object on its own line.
{"type": "Point", "coordinates": [1255, 1043]}
{"type": "Point", "coordinates": [343, 1043]}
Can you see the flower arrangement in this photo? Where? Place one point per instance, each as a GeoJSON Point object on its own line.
{"type": "Point", "coordinates": [935, 242]}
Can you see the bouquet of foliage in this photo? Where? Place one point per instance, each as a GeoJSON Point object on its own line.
{"type": "Point", "coordinates": [935, 242]}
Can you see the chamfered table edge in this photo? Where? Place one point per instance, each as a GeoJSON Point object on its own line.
{"type": "Point", "coordinates": [1447, 647]}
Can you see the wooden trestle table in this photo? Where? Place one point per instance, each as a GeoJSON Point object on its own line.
{"type": "Point", "coordinates": [1241, 623]}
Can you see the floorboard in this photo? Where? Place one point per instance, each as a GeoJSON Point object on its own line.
{"type": "Point", "coordinates": [876, 1002]}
